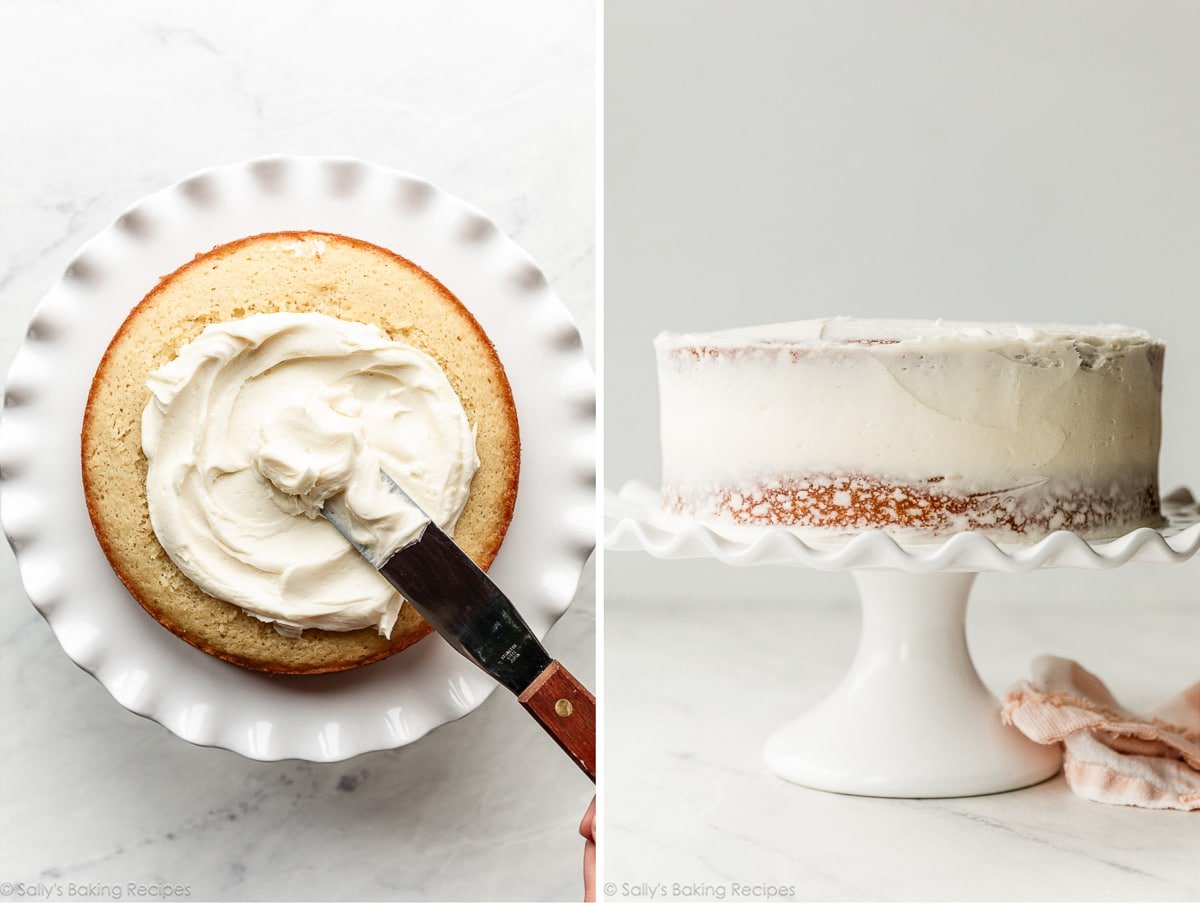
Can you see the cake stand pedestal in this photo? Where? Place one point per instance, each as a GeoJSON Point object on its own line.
{"type": "Point", "coordinates": [911, 718]}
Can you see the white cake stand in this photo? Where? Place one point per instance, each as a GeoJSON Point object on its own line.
{"type": "Point", "coordinates": [912, 717]}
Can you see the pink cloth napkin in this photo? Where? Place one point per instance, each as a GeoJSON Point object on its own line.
{"type": "Point", "coordinates": [1110, 754]}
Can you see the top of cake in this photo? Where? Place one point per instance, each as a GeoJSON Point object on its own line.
{"type": "Point", "coordinates": [832, 331]}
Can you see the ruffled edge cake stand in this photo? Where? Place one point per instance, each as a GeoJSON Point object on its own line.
{"type": "Point", "coordinates": [911, 718]}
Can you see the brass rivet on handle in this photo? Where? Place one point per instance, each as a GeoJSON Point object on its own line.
{"type": "Point", "coordinates": [563, 708]}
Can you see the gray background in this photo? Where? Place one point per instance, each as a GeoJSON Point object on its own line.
{"type": "Point", "coordinates": [101, 104]}
{"type": "Point", "coordinates": [771, 161]}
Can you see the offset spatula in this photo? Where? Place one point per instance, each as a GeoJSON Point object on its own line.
{"type": "Point", "coordinates": [471, 613]}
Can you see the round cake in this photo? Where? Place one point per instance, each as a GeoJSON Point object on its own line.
{"type": "Point", "coordinates": [269, 305]}
{"type": "Point", "coordinates": [930, 427]}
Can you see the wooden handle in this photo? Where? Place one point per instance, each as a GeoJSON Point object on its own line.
{"type": "Point", "coordinates": [566, 709]}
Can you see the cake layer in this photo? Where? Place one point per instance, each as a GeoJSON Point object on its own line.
{"type": "Point", "coordinates": [302, 273]}
{"type": "Point", "coordinates": [856, 502]}
{"type": "Point", "coordinates": [979, 426]}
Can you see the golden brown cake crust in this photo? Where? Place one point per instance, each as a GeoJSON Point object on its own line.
{"type": "Point", "coordinates": [294, 271]}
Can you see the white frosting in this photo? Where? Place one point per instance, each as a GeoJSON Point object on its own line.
{"type": "Point", "coordinates": [982, 406]}
{"type": "Point", "coordinates": [317, 453]}
{"type": "Point", "coordinates": [260, 422]}
{"type": "Point", "coordinates": [927, 333]}
{"type": "Point", "coordinates": [837, 330]}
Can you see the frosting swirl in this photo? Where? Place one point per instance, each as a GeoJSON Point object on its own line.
{"type": "Point", "coordinates": [258, 423]}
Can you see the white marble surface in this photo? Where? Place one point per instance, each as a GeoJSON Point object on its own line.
{"type": "Point", "coordinates": [103, 104]}
{"type": "Point", "coordinates": [693, 689]}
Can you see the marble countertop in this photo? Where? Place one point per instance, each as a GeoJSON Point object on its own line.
{"type": "Point", "coordinates": [692, 689]}
{"type": "Point", "coordinates": [494, 103]}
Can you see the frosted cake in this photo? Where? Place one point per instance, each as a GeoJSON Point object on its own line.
{"type": "Point", "coordinates": [929, 426]}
